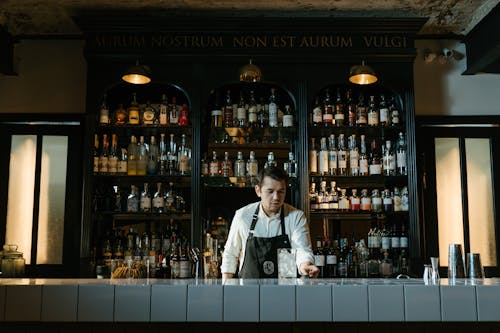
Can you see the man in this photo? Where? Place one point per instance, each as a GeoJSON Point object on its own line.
{"type": "Point", "coordinates": [260, 228]}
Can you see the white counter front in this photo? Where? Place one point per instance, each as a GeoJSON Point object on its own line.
{"type": "Point", "coordinates": [237, 300]}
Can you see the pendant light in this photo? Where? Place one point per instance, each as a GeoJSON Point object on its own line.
{"type": "Point", "coordinates": [362, 74]}
{"type": "Point", "coordinates": [250, 73]}
{"type": "Point", "coordinates": [137, 74]}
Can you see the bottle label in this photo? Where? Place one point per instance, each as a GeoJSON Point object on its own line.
{"type": "Point", "coordinates": [313, 161]}
{"type": "Point", "coordinates": [242, 114]}
{"type": "Point", "coordinates": [331, 259]}
{"type": "Point", "coordinates": [319, 260]}
{"type": "Point", "coordinates": [375, 169]}
{"type": "Point", "coordinates": [184, 269]}
{"type": "Point", "coordinates": [323, 162]}
{"type": "Point", "coordinates": [366, 204]}
{"type": "Point", "coordinates": [403, 242]}
{"type": "Point", "coordinates": [385, 243]}
{"type": "Point", "coordinates": [96, 164]}
{"type": "Point", "coordinates": [401, 159]}
{"type": "Point", "coordinates": [145, 203]}
{"type": "Point", "coordinates": [104, 116]}
{"type": "Point", "coordinates": [354, 159]}
{"type": "Point", "coordinates": [252, 115]}
{"type": "Point", "coordinates": [252, 169]}
{"type": "Point", "coordinates": [113, 165]}
{"type": "Point", "coordinates": [327, 118]}
{"type": "Point", "coordinates": [317, 115]}
{"type": "Point", "coordinates": [122, 166]}
{"type": "Point", "coordinates": [214, 169]}
{"type": "Point", "coordinates": [273, 115]}
{"type": "Point", "coordinates": [373, 118]}
{"type": "Point", "coordinates": [363, 166]}
{"type": "Point", "coordinates": [287, 120]}
{"type": "Point", "coordinates": [384, 115]}
{"type": "Point", "coordinates": [339, 117]}
{"type": "Point", "coordinates": [132, 206]}
{"type": "Point", "coordinates": [398, 205]}
{"type": "Point", "coordinates": [395, 242]}
{"type": "Point", "coordinates": [342, 161]}
{"type": "Point", "coordinates": [103, 164]}
{"type": "Point", "coordinates": [158, 202]}
{"type": "Point", "coordinates": [148, 117]}
{"type": "Point", "coordinates": [133, 117]}
{"type": "Point", "coordinates": [183, 164]}
{"type": "Point", "coordinates": [163, 115]}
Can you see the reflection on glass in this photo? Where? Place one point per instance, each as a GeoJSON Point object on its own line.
{"type": "Point", "coordinates": [449, 195]}
{"type": "Point", "coordinates": [480, 196]}
{"type": "Point", "coordinates": [52, 200]}
{"type": "Point", "coordinates": [21, 185]}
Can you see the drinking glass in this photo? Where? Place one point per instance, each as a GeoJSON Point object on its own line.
{"type": "Point", "coordinates": [475, 269]}
{"type": "Point", "coordinates": [456, 267]}
{"type": "Point", "coordinates": [287, 267]}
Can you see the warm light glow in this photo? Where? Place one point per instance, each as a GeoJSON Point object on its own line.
{"type": "Point", "coordinates": [250, 73]}
{"type": "Point", "coordinates": [449, 195]}
{"type": "Point", "coordinates": [362, 74]}
{"type": "Point", "coordinates": [52, 200]}
{"type": "Point", "coordinates": [136, 79]}
{"type": "Point", "coordinates": [21, 184]}
{"type": "Point", "coordinates": [480, 200]}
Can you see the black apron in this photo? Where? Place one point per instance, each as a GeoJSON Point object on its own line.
{"type": "Point", "coordinates": [261, 258]}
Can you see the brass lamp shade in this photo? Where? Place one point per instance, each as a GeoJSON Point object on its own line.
{"type": "Point", "coordinates": [137, 74]}
{"type": "Point", "coordinates": [362, 74]}
{"type": "Point", "coordinates": [250, 73]}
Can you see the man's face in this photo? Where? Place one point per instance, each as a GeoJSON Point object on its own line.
{"type": "Point", "coordinates": [272, 194]}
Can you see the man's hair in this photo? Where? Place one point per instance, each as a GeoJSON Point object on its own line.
{"type": "Point", "coordinates": [275, 173]}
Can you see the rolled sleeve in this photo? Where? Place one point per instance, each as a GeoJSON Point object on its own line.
{"type": "Point", "coordinates": [300, 238]}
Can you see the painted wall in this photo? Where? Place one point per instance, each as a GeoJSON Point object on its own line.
{"type": "Point", "coordinates": [52, 74]}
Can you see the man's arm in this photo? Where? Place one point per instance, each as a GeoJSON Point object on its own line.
{"type": "Point", "coordinates": [309, 269]}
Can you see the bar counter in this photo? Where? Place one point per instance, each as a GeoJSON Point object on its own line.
{"type": "Point", "coordinates": [248, 301]}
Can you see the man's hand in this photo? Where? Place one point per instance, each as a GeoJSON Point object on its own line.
{"type": "Point", "coordinates": [309, 269]}
{"type": "Point", "coordinates": [227, 276]}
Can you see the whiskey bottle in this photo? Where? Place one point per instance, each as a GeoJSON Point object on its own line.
{"type": "Point", "coordinates": [313, 197]}
{"type": "Point", "coordinates": [328, 110]}
{"type": "Point", "coordinates": [384, 112]}
{"type": "Point", "coordinates": [153, 157]}
{"type": "Point", "coordinates": [373, 112]}
{"type": "Point", "coordinates": [104, 112]}
{"type": "Point", "coordinates": [313, 158]}
{"type": "Point", "coordinates": [363, 158]}
{"type": "Point", "coordinates": [133, 200]}
{"type": "Point", "coordinates": [145, 204]}
{"type": "Point", "coordinates": [376, 201]}
{"type": "Point", "coordinates": [184, 115]}
{"type": "Point", "coordinates": [375, 165]}
{"type": "Point", "coordinates": [366, 202]}
{"type": "Point", "coordinates": [121, 115]}
{"type": "Point", "coordinates": [342, 157]}
{"type": "Point", "coordinates": [387, 201]}
{"type": "Point", "coordinates": [353, 156]}
{"type": "Point", "coordinates": [158, 199]}
{"type": "Point", "coordinates": [173, 115]}
{"type": "Point", "coordinates": [252, 166]}
{"type": "Point", "coordinates": [133, 111]}
{"type": "Point", "coordinates": [333, 196]}
{"type": "Point", "coordinates": [331, 262]}
{"type": "Point", "coordinates": [162, 156]}
{"type": "Point", "coordinates": [323, 158]}
{"type": "Point", "coordinates": [240, 166]}
{"type": "Point", "coordinates": [214, 167]}
{"type": "Point", "coordinates": [351, 109]}
{"type": "Point", "coordinates": [113, 156]}
{"type": "Point", "coordinates": [361, 116]}
{"type": "Point", "coordinates": [332, 156]}
{"type": "Point", "coordinates": [184, 157]}
{"type": "Point", "coordinates": [228, 110]}
{"type": "Point", "coordinates": [339, 110]}
{"type": "Point", "coordinates": [388, 161]}
{"type": "Point", "coordinates": [323, 195]}
{"type": "Point", "coordinates": [319, 259]}
{"type": "Point", "coordinates": [132, 156]}
{"type": "Point", "coordinates": [394, 112]}
{"type": "Point", "coordinates": [96, 154]}
{"type": "Point", "coordinates": [343, 201]}
{"type": "Point", "coordinates": [355, 201]}
{"type": "Point", "coordinates": [104, 157]}
{"type": "Point", "coordinates": [273, 109]}
{"type": "Point", "coordinates": [142, 157]}
{"type": "Point", "coordinates": [216, 118]}
{"type": "Point", "coordinates": [241, 112]}
{"type": "Point", "coordinates": [163, 110]}
{"type": "Point", "coordinates": [149, 115]}
{"type": "Point", "coordinates": [263, 114]}
{"type": "Point", "coordinates": [172, 166]}
{"type": "Point", "coordinates": [401, 156]}
{"type": "Point", "coordinates": [252, 111]}
{"type": "Point", "coordinates": [170, 198]}
{"type": "Point", "coordinates": [226, 166]}
{"type": "Point", "coordinates": [271, 162]}
{"type": "Point", "coordinates": [287, 117]}
{"type": "Point", "coordinates": [290, 166]}
{"type": "Point", "coordinates": [342, 265]}
{"type": "Point", "coordinates": [317, 113]}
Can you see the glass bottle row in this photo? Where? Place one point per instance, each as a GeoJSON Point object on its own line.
{"type": "Point", "coordinates": [160, 200]}
{"type": "Point", "coordinates": [161, 114]}
{"type": "Point", "coordinates": [355, 160]}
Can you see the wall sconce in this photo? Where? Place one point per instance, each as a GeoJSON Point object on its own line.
{"type": "Point", "coordinates": [362, 74]}
{"type": "Point", "coordinates": [250, 73]}
{"type": "Point", "coordinates": [137, 74]}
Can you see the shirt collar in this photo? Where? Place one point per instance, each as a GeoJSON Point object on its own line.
{"type": "Point", "coordinates": [263, 214]}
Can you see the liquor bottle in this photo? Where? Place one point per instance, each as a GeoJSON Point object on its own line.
{"type": "Point", "coordinates": [353, 156]}
{"type": "Point", "coordinates": [142, 156]}
{"type": "Point", "coordinates": [373, 112]}
{"type": "Point", "coordinates": [323, 158]}
{"type": "Point", "coordinates": [355, 201]}
{"type": "Point", "coordinates": [169, 198]}
{"type": "Point", "coordinates": [172, 166]}
{"type": "Point", "coordinates": [331, 262]}
{"type": "Point", "coordinates": [173, 115]}
{"type": "Point", "coordinates": [403, 238]}
{"type": "Point", "coordinates": [375, 165]}
{"type": "Point", "coordinates": [342, 157]}
{"type": "Point", "coordinates": [319, 259]}
{"type": "Point", "coordinates": [133, 200]}
{"type": "Point", "coordinates": [366, 201]}
{"type": "Point", "coordinates": [313, 158]}
{"type": "Point", "coordinates": [361, 115]}
{"type": "Point", "coordinates": [132, 156]}
{"type": "Point", "coordinates": [104, 156]}
{"type": "Point", "coordinates": [149, 115]}
{"type": "Point", "coordinates": [271, 162]}
{"type": "Point", "coordinates": [123, 162]}
{"type": "Point", "coordinates": [387, 201]}
{"type": "Point", "coordinates": [317, 113]}
{"type": "Point", "coordinates": [376, 201]}
{"type": "Point", "coordinates": [184, 115]}
{"type": "Point", "coordinates": [332, 156]}
{"type": "Point", "coordinates": [121, 115]}
{"type": "Point", "coordinates": [153, 157]}
{"type": "Point", "coordinates": [96, 154]}
{"type": "Point", "coordinates": [374, 240]}
{"type": "Point", "coordinates": [133, 111]}
{"type": "Point", "coordinates": [343, 201]}
{"type": "Point", "coordinates": [228, 110]}
{"type": "Point", "coordinates": [363, 158]}
{"type": "Point", "coordinates": [252, 110]}
{"type": "Point", "coordinates": [241, 112]}
{"type": "Point", "coordinates": [388, 160]}
{"type": "Point", "coordinates": [204, 165]}
{"type": "Point", "coordinates": [363, 256]}
{"type": "Point", "coordinates": [404, 199]}
{"type": "Point", "coordinates": [334, 197]}
{"type": "Point", "coordinates": [162, 156]}
{"type": "Point", "coordinates": [158, 199]}
{"type": "Point", "coordinates": [313, 197]}
{"type": "Point", "coordinates": [351, 109]}
{"type": "Point", "coordinates": [216, 117]}
{"type": "Point", "coordinates": [226, 166]}
{"type": "Point", "coordinates": [214, 167]}
{"type": "Point", "coordinates": [163, 110]}
{"type": "Point", "coordinates": [394, 112]}
{"type": "Point", "coordinates": [384, 112]}
{"type": "Point", "coordinates": [252, 166]}
{"type": "Point", "coordinates": [328, 110]}
{"type": "Point", "coordinates": [175, 262]}
{"type": "Point", "coordinates": [113, 155]}
{"type": "Point", "coordinates": [118, 199]}
{"type": "Point", "coordinates": [273, 109]}
{"type": "Point", "coordinates": [396, 199]}
{"type": "Point", "coordinates": [288, 117]}
{"type": "Point", "coordinates": [104, 112]}
{"type": "Point", "coordinates": [352, 260]}
{"type": "Point", "coordinates": [386, 265]}
{"type": "Point", "coordinates": [339, 110]}
{"type": "Point", "coordinates": [323, 195]}
{"type": "Point", "coordinates": [145, 205]}
{"type": "Point", "coordinates": [290, 166]}
{"type": "Point", "coordinates": [342, 265]}
{"type": "Point", "coordinates": [401, 156]}
{"type": "Point", "coordinates": [263, 114]}
{"type": "Point", "coordinates": [184, 157]}
{"type": "Point", "coordinates": [185, 263]}
{"type": "Point", "coordinates": [239, 166]}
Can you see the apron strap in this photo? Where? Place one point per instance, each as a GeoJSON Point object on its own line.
{"type": "Point", "coordinates": [255, 217]}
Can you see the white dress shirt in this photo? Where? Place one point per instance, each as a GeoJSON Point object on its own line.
{"type": "Point", "coordinates": [296, 228]}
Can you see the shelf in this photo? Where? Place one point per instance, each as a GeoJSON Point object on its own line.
{"type": "Point", "coordinates": [253, 135]}
{"type": "Point", "coordinates": [184, 129]}
{"type": "Point", "coordinates": [234, 182]}
{"type": "Point", "coordinates": [363, 181]}
{"type": "Point", "coordinates": [368, 216]}
{"type": "Point", "coordinates": [126, 219]}
{"type": "Point", "coordinates": [369, 131]}
{"type": "Point", "coordinates": [132, 180]}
